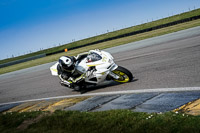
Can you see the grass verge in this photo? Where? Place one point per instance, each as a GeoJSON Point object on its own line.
{"type": "Point", "coordinates": [116, 121]}
{"type": "Point", "coordinates": [103, 45]}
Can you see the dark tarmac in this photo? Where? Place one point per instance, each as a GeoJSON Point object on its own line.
{"type": "Point", "coordinates": [169, 61]}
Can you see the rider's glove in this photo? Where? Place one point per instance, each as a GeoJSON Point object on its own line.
{"type": "Point", "coordinates": [66, 83]}
{"type": "Point", "coordinates": [64, 76]}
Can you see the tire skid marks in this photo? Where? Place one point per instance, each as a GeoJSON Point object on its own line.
{"type": "Point", "coordinates": [62, 104]}
{"type": "Point", "coordinates": [93, 102]}
{"type": "Point", "coordinates": [192, 108]}
{"type": "Point", "coordinates": [21, 107]}
{"type": "Point", "coordinates": [127, 101]}
{"type": "Point", "coordinates": [44, 105]}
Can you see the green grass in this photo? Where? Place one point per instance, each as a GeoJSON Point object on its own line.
{"type": "Point", "coordinates": [10, 121]}
{"type": "Point", "coordinates": [109, 35]}
{"type": "Point", "coordinates": [114, 121]}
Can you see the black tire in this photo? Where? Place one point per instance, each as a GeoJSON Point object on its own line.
{"type": "Point", "coordinates": [125, 75]}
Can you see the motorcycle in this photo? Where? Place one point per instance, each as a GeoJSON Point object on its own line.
{"type": "Point", "coordinates": [97, 67]}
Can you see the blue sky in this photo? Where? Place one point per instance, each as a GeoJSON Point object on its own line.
{"type": "Point", "coordinates": [30, 25]}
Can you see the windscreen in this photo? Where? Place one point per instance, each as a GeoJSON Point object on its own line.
{"type": "Point", "coordinates": [93, 57]}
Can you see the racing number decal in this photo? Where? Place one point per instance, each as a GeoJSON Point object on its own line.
{"type": "Point", "coordinates": [104, 59]}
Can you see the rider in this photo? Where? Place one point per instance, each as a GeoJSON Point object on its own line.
{"type": "Point", "coordinates": [67, 72]}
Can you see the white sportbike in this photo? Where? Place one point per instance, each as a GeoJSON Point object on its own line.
{"type": "Point", "coordinates": [97, 67]}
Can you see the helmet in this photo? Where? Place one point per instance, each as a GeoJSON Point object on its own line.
{"type": "Point", "coordinates": [67, 62]}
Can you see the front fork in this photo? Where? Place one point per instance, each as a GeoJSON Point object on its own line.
{"type": "Point", "coordinates": [112, 68]}
{"type": "Point", "coordinates": [113, 75]}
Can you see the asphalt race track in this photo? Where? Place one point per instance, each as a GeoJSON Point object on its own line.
{"type": "Point", "coordinates": [169, 61]}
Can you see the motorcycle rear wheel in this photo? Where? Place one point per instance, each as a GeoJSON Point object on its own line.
{"type": "Point", "coordinates": [124, 74]}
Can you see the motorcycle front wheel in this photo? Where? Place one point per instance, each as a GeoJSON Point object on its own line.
{"type": "Point", "coordinates": [124, 74]}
